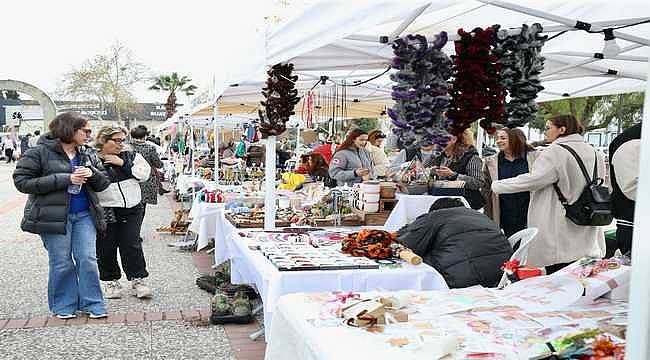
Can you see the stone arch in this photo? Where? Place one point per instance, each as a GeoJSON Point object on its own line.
{"type": "Point", "coordinates": [48, 106]}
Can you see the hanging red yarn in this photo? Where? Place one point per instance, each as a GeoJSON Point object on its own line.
{"type": "Point", "coordinates": [475, 89]}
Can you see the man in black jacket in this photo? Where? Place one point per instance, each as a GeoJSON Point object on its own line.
{"type": "Point", "coordinates": [465, 246]}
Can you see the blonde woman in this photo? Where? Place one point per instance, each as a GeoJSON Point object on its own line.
{"type": "Point", "coordinates": [460, 161]}
{"type": "Point", "coordinates": [123, 208]}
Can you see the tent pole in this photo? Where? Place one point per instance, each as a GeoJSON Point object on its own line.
{"type": "Point", "coordinates": [638, 329]}
{"type": "Point", "coordinates": [590, 55]}
{"type": "Point", "coordinates": [479, 140]}
{"type": "Point", "coordinates": [594, 86]}
{"type": "Point", "coordinates": [269, 181]}
{"type": "Point", "coordinates": [216, 143]}
{"type": "Point", "coordinates": [600, 69]}
{"type": "Point", "coordinates": [586, 61]}
{"type": "Point", "coordinates": [560, 19]}
{"type": "Point", "coordinates": [408, 21]}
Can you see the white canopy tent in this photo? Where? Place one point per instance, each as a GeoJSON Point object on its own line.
{"type": "Point", "coordinates": [345, 42]}
{"type": "Point", "coordinates": [335, 36]}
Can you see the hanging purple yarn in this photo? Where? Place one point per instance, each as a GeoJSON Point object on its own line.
{"type": "Point", "coordinates": [421, 94]}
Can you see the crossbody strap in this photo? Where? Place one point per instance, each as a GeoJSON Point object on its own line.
{"type": "Point", "coordinates": [563, 199]}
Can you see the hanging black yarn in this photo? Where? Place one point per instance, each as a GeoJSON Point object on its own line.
{"type": "Point", "coordinates": [421, 94]}
{"type": "Point", "coordinates": [281, 98]}
{"type": "Point", "coordinates": [521, 64]}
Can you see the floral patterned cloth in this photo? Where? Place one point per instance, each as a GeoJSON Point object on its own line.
{"type": "Point", "coordinates": [150, 187]}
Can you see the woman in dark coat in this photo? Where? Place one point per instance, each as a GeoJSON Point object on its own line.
{"type": "Point", "coordinates": [61, 176]}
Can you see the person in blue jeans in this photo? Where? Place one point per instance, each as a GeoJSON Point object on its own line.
{"type": "Point", "coordinates": [62, 175]}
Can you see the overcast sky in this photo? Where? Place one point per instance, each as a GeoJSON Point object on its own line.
{"type": "Point", "coordinates": [43, 39]}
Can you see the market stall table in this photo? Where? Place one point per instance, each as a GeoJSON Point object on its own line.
{"type": "Point", "coordinates": [204, 217]}
{"type": "Point", "coordinates": [251, 267]}
{"type": "Point", "coordinates": [185, 182]}
{"type": "Point", "coordinates": [409, 207]}
{"type": "Point", "coordinates": [469, 323]}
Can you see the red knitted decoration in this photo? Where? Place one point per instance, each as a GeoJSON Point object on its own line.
{"type": "Point", "coordinates": [475, 90]}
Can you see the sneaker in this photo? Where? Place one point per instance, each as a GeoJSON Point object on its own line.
{"type": "Point", "coordinates": [141, 290]}
{"type": "Point", "coordinates": [66, 316]}
{"type": "Point", "coordinates": [112, 289]}
{"type": "Point", "coordinates": [95, 315]}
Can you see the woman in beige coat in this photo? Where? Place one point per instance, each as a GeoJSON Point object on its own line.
{"type": "Point", "coordinates": [515, 157]}
{"type": "Point", "coordinates": [559, 241]}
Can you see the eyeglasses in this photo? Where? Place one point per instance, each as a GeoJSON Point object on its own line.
{"type": "Point", "coordinates": [118, 141]}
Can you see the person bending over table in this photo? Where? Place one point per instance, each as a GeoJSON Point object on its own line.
{"type": "Point", "coordinates": [465, 246]}
{"type": "Point", "coordinates": [352, 163]}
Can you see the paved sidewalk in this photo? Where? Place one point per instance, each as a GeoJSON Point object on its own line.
{"type": "Point", "coordinates": [172, 325]}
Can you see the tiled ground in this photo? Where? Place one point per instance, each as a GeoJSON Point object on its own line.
{"type": "Point", "coordinates": [172, 325]}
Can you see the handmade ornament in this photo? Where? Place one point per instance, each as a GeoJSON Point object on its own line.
{"type": "Point", "coordinates": [421, 95]}
{"type": "Point", "coordinates": [374, 244]}
{"type": "Point", "coordinates": [476, 92]}
{"type": "Point", "coordinates": [280, 99]}
{"type": "Point", "coordinates": [521, 64]}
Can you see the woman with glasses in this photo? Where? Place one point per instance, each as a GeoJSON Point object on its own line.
{"type": "Point", "coordinates": [62, 176]}
{"type": "Point", "coordinates": [122, 202]}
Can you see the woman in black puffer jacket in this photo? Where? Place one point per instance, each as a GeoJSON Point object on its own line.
{"type": "Point", "coordinates": [61, 176]}
{"type": "Point", "coordinates": [124, 214]}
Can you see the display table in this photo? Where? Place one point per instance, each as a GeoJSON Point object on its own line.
{"type": "Point", "coordinates": [185, 182]}
{"type": "Point", "coordinates": [409, 207]}
{"type": "Point", "coordinates": [203, 219]}
{"type": "Point", "coordinates": [251, 267]}
{"type": "Point", "coordinates": [304, 327]}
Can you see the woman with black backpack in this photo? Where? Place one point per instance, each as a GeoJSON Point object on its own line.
{"type": "Point", "coordinates": [560, 240]}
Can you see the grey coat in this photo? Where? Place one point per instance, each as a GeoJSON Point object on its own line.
{"type": "Point", "coordinates": [346, 161]}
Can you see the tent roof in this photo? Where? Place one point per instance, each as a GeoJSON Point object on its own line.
{"type": "Point", "coordinates": [341, 41]}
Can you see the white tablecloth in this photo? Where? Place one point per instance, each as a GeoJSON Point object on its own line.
{"type": "Point", "coordinates": [513, 334]}
{"type": "Point", "coordinates": [409, 207]}
{"type": "Point", "coordinates": [204, 217]}
{"type": "Point", "coordinates": [184, 182]}
{"type": "Point", "coordinates": [251, 267]}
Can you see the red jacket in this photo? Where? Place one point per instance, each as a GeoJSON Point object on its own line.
{"type": "Point", "coordinates": [326, 151]}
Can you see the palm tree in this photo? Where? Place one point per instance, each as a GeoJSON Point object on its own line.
{"type": "Point", "coordinates": [173, 83]}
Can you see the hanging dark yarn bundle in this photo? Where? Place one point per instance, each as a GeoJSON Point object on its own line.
{"type": "Point", "coordinates": [521, 64]}
{"type": "Point", "coordinates": [476, 91]}
{"type": "Point", "coordinates": [421, 94]}
{"type": "Point", "coordinates": [281, 98]}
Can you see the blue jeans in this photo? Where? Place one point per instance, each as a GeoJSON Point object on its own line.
{"type": "Point", "coordinates": [73, 281]}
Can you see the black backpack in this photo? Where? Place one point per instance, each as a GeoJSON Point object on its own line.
{"type": "Point", "coordinates": [593, 206]}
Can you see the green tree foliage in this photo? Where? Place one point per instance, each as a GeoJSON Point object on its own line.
{"type": "Point", "coordinates": [109, 77]}
{"type": "Point", "coordinates": [173, 84]}
{"type": "Point", "coordinates": [365, 124]}
{"type": "Point", "coordinates": [595, 112]}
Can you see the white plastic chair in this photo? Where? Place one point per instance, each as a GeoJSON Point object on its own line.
{"type": "Point", "coordinates": [524, 238]}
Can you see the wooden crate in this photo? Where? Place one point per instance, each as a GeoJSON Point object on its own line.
{"type": "Point", "coordinates": [372, 219]}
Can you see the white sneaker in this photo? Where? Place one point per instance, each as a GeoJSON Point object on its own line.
{"type": "Point", "coordinates": [141, 290]}
{"type": "Point", "coordinates": [112, 289]}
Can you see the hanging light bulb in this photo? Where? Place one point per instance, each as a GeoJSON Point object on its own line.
{"type": "Point", "coordinates": [611, 48]}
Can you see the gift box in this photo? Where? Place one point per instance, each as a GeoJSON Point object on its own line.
{"type": "Point", "coordinates": [598, 277]}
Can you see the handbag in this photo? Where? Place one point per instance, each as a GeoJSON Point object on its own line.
{"type": "Point", "coordinates": [593, 207]}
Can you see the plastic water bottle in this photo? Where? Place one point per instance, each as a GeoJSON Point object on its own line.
{"type": "Point", "coordinates": [74, 189]}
